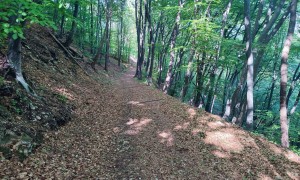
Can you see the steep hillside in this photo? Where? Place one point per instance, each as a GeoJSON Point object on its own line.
{"type": "Point", "coordinates": [51, 74]}
{"type": "Point", "coordinates": [119, 128]}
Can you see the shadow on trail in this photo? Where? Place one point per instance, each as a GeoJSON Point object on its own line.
{"type": "Point", "coordinates": [169, 140]}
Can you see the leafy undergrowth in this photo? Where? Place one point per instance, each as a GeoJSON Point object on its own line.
{"type": "Point", "coordinates": [122, 129]}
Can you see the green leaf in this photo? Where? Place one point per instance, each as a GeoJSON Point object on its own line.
{"type": "Point", "coordinates": [15, 36]}
{"type": "Point", "coordinates": [6, 31]}
{"type": "Point", "coordinates": [21, 35]}
{"type": "Point", "coordinates": [5, 25]}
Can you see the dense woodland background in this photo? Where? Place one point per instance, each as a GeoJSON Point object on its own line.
{"type": "Point", "coordinates": [236, 59]}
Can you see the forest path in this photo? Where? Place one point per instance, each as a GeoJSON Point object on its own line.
{"type": "Point", "coordinates": [123, 129]}
{"type": "Point", "coordinates": [158, 137]}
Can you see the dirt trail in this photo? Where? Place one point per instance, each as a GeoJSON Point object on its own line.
{"type": "Point", "coordinates": [127, 130]}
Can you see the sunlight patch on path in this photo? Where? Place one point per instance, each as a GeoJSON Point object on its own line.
{"type": "Point", "coordinates": [192, 112]}
{"type": "Point", "coordinates": [279, 151]}
{"type": "Point", "coordinates": [224, 140]}
{"type": "Point", "coordinates": [136, 126]}
{"type": "Point", "coordinates": [216, 124]}
{"type": "Point", "coordinates": [166, 137]}
{"type": "Point", "coordinates": [184, 126]}
{"type": "Point", "coordinates": [221, 154]}
{"type": "Point", "coordinates": [135, 103]}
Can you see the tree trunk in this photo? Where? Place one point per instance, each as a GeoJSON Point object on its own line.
{"type": "Point", "coordinates": [199, 81]}
{"type": "Point", "coordinates": [55, 13]}
{"type": "Point", "coordinates": [284, 122]}
{"type": "Point", "coordinates": [14, 56]}
{"type": "Point", "coordinates": [152, 42]}
{"type": "Point", "coordinates": [99, 51]}
{"type": "Point", "coordinates": [62, 23]}
{"type": "Point", "coordinates": [264, 38]}
{"type": "Point", "coordinates": [172, 51]}
{"type": "Point", "coordinates": [98, 20]}
{"type": "Point", "coordinates": [140, 26]}
{"type": "Point", "coordinates": [14, 59]}
{"type": "Point", "coordinates": [69, 39]}
{"type": "Point", "coordinates": [120, 37]}
{"type": "Point", "coordinates": [272, 88]}
{"type": "Point", "coordinates": [188, 73]}
{"type": "Point", "coordinates": [107, 34]}
{"type": "Point", "coordinates": [215, 67]}
{"type": "Point", "coordinates": [295, 104]}
{"type": "Point", "coordinates": [101, 43]}
{"type": "Point", "coordinates": [295, 78]}
{"type": "Point", "coordinates": [249, 56]}
{"type": "Point", "coordinates": [92, 28]}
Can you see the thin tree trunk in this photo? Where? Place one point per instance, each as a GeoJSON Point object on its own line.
{"type": "Point", "coordinates": [215, 67]}
{"type": "Point", "coordinates": [69, 39]}
{"type": "Point", "coordinates": [272, 88]}
{"type": "Point", "coordinates": [101, 43]}
{"type": "Point", "coordinates": [62, 23]}
{"type": "Point", "coordinates": [199, 81]}
{"type": "Point", "coordinates": [120, 36]}
{"type": "Point", "coordinates": [92, 28]}
{"type": "Point", "coordinates": [249, 56]}
{"type": "Point", "coordinates": [172, 51]}
{"type": "Point", "coordinates": [140, 37]}
{"type": "Point", "coordinates": [264, 38]}
{"type": "Point", "coordinates": [98, 23]}
{"type": "Point", "coordinates": [107, 34]}
{"type": "Point", "coordinates": [295, 78]}
{"type": "Point", "coordinates": [55, 13]}
{"type": "Point", "coordinates": [152, 42]}
{"type": "Point", "coordinates": [188, 73]}
{"type": "Point", "coordinates": [99, 52]}
{"type": "Point", "coordinates": [284, 122]}
{"type": "Point", "coordinates": [295, 104]}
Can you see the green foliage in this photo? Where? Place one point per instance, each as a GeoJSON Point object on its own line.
{"type": "Point", "coordinates": [16, 14]}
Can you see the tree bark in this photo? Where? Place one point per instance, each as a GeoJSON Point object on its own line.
{"type": "Point", "coordinates": [92, 28]}
{"type": "Point", "coordinates": [14, 56]}
{"type": "Point", "coordinates": [264, 38]}
{"type": "Point", "coordinates": [272, 88]}
{"type": "Point", "coordinates": [249, 56]}
{"type": "Point", "coordinates": [213, 73]}
{"type": "Point", "coordinates": [172, 51]}
{"type": "Point", "coordinates": [69, 39]}
{"type": "Point", "coordinates": [15, 61]}
{"type": "Point", "coordinates": [295, 78]}
{"type": "Point", "coordinates": [152, 41]}
{"type": "Point", "coordinates": [107, 33]}
{"type": "Point", "coordinates": [198, 99]}
{"type": "Point", "coordinates": [188, 73]}
{"type": "Point", "coordinates": [62, 23]}
{"type": "Point", "coordinates": [140, 26]}
{"type": "Point", "coordinates": [55, 13]}
{"type": "Point", "coordinates": [295, 104]}
{"type": "Point", "coordinates": [284, 122]}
